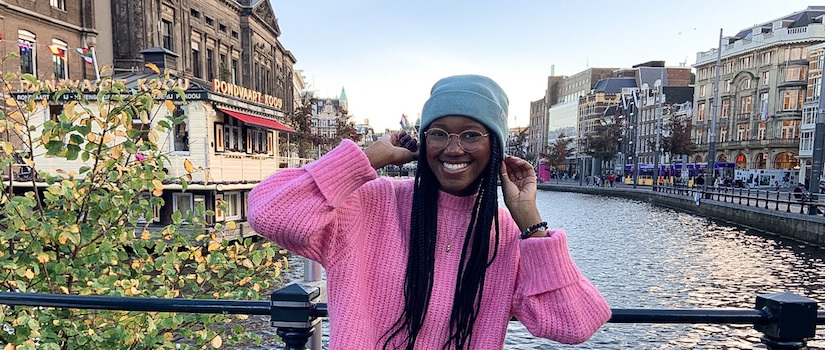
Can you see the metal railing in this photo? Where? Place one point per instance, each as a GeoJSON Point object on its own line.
{"type": "Point", "coordinates": [786, 320]}
{"type": "Point", "coordinates": [790, 202]}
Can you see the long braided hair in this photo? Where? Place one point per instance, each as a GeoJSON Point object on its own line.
{"type": "Point", "coordinates": [474, 261]}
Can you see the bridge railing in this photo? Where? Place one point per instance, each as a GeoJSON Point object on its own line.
{"type": "Point", "coordinates": [786, 320]}
{"type": "Point", "coordinates": [791, 202]}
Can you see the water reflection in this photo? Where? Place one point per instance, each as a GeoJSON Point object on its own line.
{"type": "Point", "coordinates": [643, 256]}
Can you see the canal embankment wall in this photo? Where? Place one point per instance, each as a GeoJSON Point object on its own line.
{"type": "Point", "coordinates": [802, 227]}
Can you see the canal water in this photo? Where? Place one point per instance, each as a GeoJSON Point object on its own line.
{"type": "Point", "coordinates": [643, 256]}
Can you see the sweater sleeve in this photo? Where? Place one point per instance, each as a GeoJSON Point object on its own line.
{"type": "Point", "coordinates": [306, 210]}
{"type": "Point", "coordinates": [553, 300]}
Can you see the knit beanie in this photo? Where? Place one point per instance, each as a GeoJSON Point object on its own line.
{"type": "Point", "coordinates": [471, 96]}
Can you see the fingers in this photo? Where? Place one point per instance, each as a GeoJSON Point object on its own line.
{"type": "Point", "coordinates": [517, 168]}
{"type": "Point", "coordinates": [407, 141]}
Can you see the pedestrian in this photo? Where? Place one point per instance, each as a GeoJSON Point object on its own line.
{"type": "Point", "coordinates": [612, 179]}
{"type": "Point", "coordinates": [799, 192]}
{"type": "Point", "coordinates": [432, 262]}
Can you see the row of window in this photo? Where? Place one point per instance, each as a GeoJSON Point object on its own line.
{"type": "Point", "coordinates": [234, 135]}
{"type": "Point", "coordinates": [185, 203]}
{"type": "Point", "coordinates": [765, 58]}
{"type": "Point", "coordinates": [789, 129]}
{"type": "Point", "coordinates": [792, 100]}
{"type": "Point", "coordinates": [27, 46]}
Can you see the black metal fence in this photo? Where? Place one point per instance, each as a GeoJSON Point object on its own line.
{"type": "Point", "coordinates": [791, 202]}
{"type": "Point", "coordinates": [786, 320]}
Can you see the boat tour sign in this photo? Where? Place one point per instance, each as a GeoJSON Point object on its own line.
{"type": "Point", "coordinates": [164, 86]}
{"type": "Point", "coordinates": [247, 94]}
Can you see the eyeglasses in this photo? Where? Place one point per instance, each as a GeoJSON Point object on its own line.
{"type": "Point", "coordinates": [468, 140]}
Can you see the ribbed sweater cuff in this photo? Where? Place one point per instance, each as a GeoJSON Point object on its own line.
{"type": "Point", "coordinates": [546, 264]}
{"type": "Point", "coordinates": [341, 171]}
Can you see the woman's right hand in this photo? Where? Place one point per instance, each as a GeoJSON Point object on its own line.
{"type": "Point", "coordinates": [396, 148]}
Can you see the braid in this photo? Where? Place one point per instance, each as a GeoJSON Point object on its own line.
{"type": "Point", "coordinates": [474, 261]}
{"type": "Point", "coordinates": [419, 276]}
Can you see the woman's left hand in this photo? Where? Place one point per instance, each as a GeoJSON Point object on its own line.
{"type": "Point", "coordinates": [518, 183]}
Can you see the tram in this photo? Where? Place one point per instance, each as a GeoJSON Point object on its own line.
{"type": "Point", "coordinates": [677, 173]}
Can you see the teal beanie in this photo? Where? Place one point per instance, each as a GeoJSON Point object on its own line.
{"type": "Point", "coordinates": [471, 96]}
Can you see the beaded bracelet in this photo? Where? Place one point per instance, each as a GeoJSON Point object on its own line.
{"type": "Point", "coordinates": [526, 233]}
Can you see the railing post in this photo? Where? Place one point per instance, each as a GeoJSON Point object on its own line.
{"type": "Point", "coordinates": [292, 308]}
{"type": "Point", "coordinates": [791, 320]}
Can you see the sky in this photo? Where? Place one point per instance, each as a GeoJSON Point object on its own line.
{"type": "Point", "coordinates": [388, 54]}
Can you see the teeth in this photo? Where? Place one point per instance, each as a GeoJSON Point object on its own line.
{"type": "Point", "coordinates": [452, 166]}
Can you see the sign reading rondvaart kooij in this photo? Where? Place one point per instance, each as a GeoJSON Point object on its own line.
{"type": "Point", "coordinates": [164, 88]}
{"type": "Point", "coordinates": [246, 94]}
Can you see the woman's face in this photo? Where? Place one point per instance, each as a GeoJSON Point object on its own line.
{"type": "Point", "coordinates": [457, 170]}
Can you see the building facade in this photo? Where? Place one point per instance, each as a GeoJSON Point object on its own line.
{"type": "Point", "coordinates": [46, 35]}
{"type": "Point", "coordinates": [762, 88]}
{"type": "Point", "coordinates": [238, 91]}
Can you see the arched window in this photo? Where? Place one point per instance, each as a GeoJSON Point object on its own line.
{"type": "Point", "coordinates": [741, 161]}
{"type": "Point", "coordinates": [785, 160]}
{"type": "Point", "coordinates": [27, 44]}
{"type": "Point", "coordinates": [59, 49]}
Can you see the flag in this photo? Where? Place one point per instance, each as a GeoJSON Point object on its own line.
{"type": "Point", "coordinates": [404, 122]}
{"type": "Point", "coordinates": [24, 45]}
{"type": "Point", "coordinates": [86, 54]}
{"type": "Point", "coordinates": [58, 51]}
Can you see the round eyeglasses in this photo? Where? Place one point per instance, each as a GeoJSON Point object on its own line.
{"type": "Point", "coordinates": [468, 140]}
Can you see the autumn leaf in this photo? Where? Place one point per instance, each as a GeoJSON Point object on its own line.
{"type": "Point", "coordinates": [170, 105]}
{"type": "Point", "coordinates": [188, 166]}
{"type": "Point", "coordinates": [216, 342]}
{"type": "Point", "coordinates": [153, 67]}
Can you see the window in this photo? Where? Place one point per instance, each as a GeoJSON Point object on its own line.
{"type": "Point", "coordinates": [725, 108]}
{"type": "Point", "coordinates": [743, 133]}
{"type": "Point", "coordinates": [196, 63]}
{"type": "Point", "coordinates": [195, 13]}
{"type": "Point", "coordinates": [222, 27]}
{"type": "Point", "coordinates": [235, 71]}
{"type": "Point", "coordinates": [723, 134]}
{"type": "Point", "coordinates": [26, 43]}
{"type": "Point", "coordinates": [746, 104]}
{"type": "Point", "coordinates": [58, 4]}
{"type": "Point", "coordinates": [794, 74]}
{"type": "Point", "coordinates": [813, 88]}
{"type": "Point", "coordinates": [806, 141]}
{"type": "Point", "coordinates": [745, 62]}
{"type": "Point", "coordinates": [166, 32]}
{"type": "Point", "coordinates": [140, 131]}
{"type": "Point", "coordinates": [726, 84]}
{"type": "Point", "coordinates": [59, 49]}
{"type": "Point", "coordinates": [258, 141]}
{"type": "Point", "coordinates": [233, 205]}
{"type": "Point", "coordinates": [745, 84]}
{"type": "Point", "coordinates": [234, 34]}
{"type": "Point", "coordinates": [155, 209]}
{"type": "Point", "coordinates": [761, 133]}
{"type": "Point", "coordinates": [209, 21]}
{"type": "Point", "coordinates": [766, 78]}
{"type": "Point", "coordinates": [790, 129]}
{"type": "Point", "coordinates": [766, 58]}
{"type": "Point", "coordinates": [702, 90]}
{"type": "Point", "coordinates": [183, 203]}
{"type": "Point", "coordinates": [809, 115]}
{"type": "Point", "coordinates": [795, 53]}
{"type": "Point", "coordinates": [763, 106]}
{"type": "Point", "coordinates": [233, 136]}
{"type": "Point", "coordinates": [180, 134]}
{"type": "Point", "coordinates": [700, 136]}
{"type": "Point", "coordinates": [792, 99]}
{"type": "Point", "coordinates": [210, 64]}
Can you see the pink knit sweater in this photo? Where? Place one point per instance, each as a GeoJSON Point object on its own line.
{"type": "Point", "coordinates": [337, 212]}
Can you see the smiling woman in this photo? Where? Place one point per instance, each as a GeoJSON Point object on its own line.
{"type": "Point", "coordinates": [396, 276]}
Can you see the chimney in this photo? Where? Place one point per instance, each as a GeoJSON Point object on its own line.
{"type": "Point", "coordinates": [162, 58]}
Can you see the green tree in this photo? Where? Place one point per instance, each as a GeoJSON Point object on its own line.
{"type": "Point", "coordinates": [80, 231]}
{"type": "Point", "coordinates": [558, 152]}
{"type": "Point", "coordinates": [302, 121]}
{"type": "Point", "coordinates": [603, 142]}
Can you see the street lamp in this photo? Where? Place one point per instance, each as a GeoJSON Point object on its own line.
{"type": "Point", "coordinates": [712, 131]}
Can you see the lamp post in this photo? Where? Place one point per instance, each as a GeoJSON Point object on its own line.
{"type": "Point", "coordinates": [712, 131]}
{"type": "Point", "coordinates": [659, 84]}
